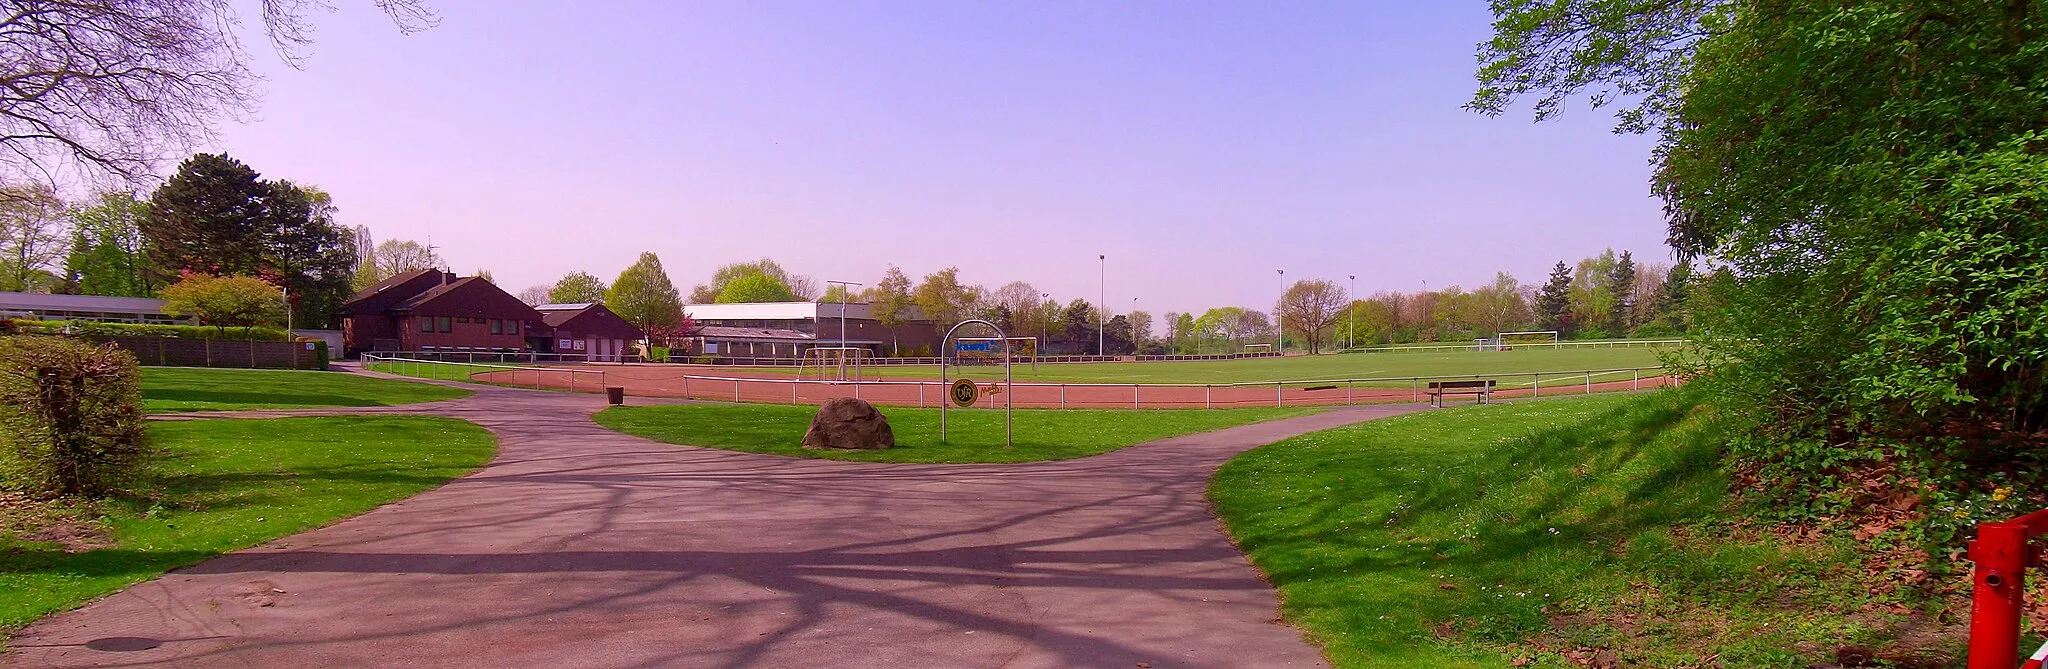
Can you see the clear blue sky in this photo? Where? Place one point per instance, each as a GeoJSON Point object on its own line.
{"type": "Point", "coordinates": [1199, 145]}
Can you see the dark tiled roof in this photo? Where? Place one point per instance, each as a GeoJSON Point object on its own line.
{"type": "Point", "coordinates": [432, 293]}
{"type": "Point", "coordinates": [386, 284]}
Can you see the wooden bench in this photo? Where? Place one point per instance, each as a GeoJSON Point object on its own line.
{"type": "Point", "coordinates": [1438, 389]}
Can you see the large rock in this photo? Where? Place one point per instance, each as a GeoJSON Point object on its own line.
{"type": "Point", "coordinates": [849, 423]}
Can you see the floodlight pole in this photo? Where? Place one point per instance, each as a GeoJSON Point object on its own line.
{"type": "Point", "coordinates": [1132, 321]}
{"type": "Point", "coordinates": [1280, 317]}
{"type": "Point", "coordinates": [1101, 297]}
{"type": "Point", "coordinates": [844, 288]}
{"type": "Point", "coordinates": [1351, 309]}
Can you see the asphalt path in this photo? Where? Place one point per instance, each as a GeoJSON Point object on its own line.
{"type": "Point", "coordinates": [582, 547]}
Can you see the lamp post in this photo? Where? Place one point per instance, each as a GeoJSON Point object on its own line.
{"type": "Point", "coordinates": [1280, 317]}
{"type": "Point", "coordinates": [845, 287]}
{"type": "Point", "coordinates": [1101, 297]}
{"type": "Point", "coordinates": [1351, 334]}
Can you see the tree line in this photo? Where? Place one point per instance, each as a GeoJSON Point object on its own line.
{"type": "Point", "coordinates": [214, 217]}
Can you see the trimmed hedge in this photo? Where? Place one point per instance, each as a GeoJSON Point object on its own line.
{"type": "Point", "coordinates": [70, 416]}
{"type": "Point", "coordinates": [96, 329]}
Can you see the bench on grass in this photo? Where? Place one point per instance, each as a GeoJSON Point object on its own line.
{"type": "Point", "coordinates": [1438, 389]}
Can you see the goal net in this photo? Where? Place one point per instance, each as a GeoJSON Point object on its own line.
{"type": "Point", "coordinates": [1508, 340]}
{"type": "Point", "coordinates": [834, 363]}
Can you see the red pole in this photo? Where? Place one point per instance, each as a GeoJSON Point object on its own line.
{"type": "Point", "coordinates": [2002, 555]}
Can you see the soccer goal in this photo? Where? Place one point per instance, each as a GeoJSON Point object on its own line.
{"type": "Point", "coordinates": [1255, 349]}
{"type": "Point", "coordinates": [834, 363]}
{"type": "Point", "coordinates": [1507, 340]}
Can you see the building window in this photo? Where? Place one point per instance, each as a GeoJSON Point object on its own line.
{"type": "Point", "coordinates": [497, 326]}
{"type": "Point", "coordinates": [447, 324]}
{"type": "Point", "coordinates": [426, 324]}
{"type": "Point", "coordinates": [511, 327]}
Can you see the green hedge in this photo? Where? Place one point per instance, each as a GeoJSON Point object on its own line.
{"type": "Point", "coordinates": [90, 328]}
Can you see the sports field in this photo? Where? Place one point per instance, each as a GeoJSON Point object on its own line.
{"type": "Point", "coordinates": [1297, 368]}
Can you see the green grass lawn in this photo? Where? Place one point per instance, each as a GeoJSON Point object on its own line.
{"type": "Point", "coordinates": [225, 485]}
{"type": "Point", "coordinates": [975, 435]}
{"type": "Point", "coordinates": [1529, 532]}
{"type": "Point", "coordinates": [1301, 368]}
{"type": "Point", "coordinates": [169, 389]}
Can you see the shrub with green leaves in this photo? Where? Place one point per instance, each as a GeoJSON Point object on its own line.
{"type": "Point", "coordinates": [158, 330]}
{"type": "Point", "coordinates": [1869, 183]}
{"type": "Point", "coordinates": [71, 419]}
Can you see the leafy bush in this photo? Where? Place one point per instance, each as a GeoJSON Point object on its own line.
{"type": "Point", "coordinates": [225, 301]}
{"type": "Point", "coordinates": [70, 416]}
{"type": "Point", "coordinates": [657, 354]}
{"type": "Point", "coordinates": [96, 329]}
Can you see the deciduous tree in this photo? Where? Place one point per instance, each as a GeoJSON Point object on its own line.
{"type": "Point", "coordinates": [891, 304]}
{"type": "Point", "coordinates": [577, 288]}
{"type": "Point", "coordinates": [110, 86]}
{"type": "Point", "coordinates": [107, 255]}
{"type": "Point", "coordinates": [644, 296]}
{"type": "Point", "coordinates": [1309, 307]}
{"type": "Point", "coordinates": [32, 238]}
{"type": "Point", "coordinates": [225, 301]}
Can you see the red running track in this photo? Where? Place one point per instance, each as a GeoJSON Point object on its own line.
{"type": "Point", "coordinates": [655, 381]}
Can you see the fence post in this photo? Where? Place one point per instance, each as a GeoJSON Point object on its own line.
{"type": "Point", "coordinates": [735, 391]}
{"type": "Point", "coordinates": [1206, 404]}
{"type": "Point", "coordinates": [1414, 389]}
{"type": "Point", "coordinates": [1276, 394]}
{"type": "Point", "coordinates": [1535, 385]}
{"type": "Point", "coordinates": [1637, 382]}
{"type": "Point", "coordinates": [1063, 396]}
{"type": "Point", "coordinates": [686, 386]}
{"type": "Point", "coordinates": [920, 394]}
{"type": "Point", "coordinates": [1134, 396]}
{"type": "Point", "coordinates": [792, 389]}
{"type": "Point", "coordinates": [209, 351]}
{"type": "Point", "coordinates": [1589, 383]}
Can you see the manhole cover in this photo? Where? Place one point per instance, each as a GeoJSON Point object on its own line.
{"type": "Point", "coordinates": [123, 644]}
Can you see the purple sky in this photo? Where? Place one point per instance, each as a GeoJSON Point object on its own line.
{"type": "Point", "coordinates": [1199, 145]}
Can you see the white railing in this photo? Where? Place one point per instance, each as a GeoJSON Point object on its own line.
{"type": "Point", "coordinates": [430, 369]}
{"type": "Point", "coordinates": [658, 381]}
{"type": "Point", "coordinates": [1598, 343]}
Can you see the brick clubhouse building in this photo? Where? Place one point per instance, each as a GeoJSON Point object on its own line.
{"type": "Point", "coordinates": [434, 311]}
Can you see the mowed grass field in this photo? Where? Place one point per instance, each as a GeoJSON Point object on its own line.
{"type": "Point", "coordinates": [1298, 368]}
{"type": "Point", "coordinates": [171, 389]}
{"type": "Point", "coordinates": [974, 435]}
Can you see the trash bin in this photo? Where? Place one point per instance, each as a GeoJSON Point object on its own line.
{"type": "Point", "coordinates": [615, 394]}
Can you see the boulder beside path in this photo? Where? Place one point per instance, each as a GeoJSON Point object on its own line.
{"type": "Point", "coordinates": [851, 424]}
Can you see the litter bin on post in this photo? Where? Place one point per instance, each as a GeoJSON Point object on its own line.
{"type": "Point", "coordinates": [615, 394]}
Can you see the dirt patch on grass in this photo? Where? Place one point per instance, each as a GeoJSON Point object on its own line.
{"type": "Point", "coordinates": [72, 525]}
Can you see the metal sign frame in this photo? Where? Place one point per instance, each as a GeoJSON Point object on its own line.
{"type": "Point", "coordinates": [1009, 396]}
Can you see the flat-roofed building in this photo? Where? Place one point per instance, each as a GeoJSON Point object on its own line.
{"type": "Point", "coordinates": [788, 329]}
{"type": "Point", "coordinates": [100, 308]}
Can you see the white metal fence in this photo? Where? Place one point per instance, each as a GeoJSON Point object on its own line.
{"type": "Point", "coordinates": [664, 382]}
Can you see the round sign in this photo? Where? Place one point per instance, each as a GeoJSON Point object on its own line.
{"type": "Point", "coordinates": [965, 393]}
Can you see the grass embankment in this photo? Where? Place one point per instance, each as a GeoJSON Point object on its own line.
{"type": "Point", "coordinates": [1300, 368]}
{"type": "Point", "coordinates": [1554, 533]}
{"type": "Point", "coordinates": [974, 435]}
{"type": "Point", "coordinates": [224, 485]}
{"type": "Point", "coordinates": [171, 389]}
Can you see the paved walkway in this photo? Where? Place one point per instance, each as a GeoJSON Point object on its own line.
{"type": "Point", "coordinates": [583, 547]}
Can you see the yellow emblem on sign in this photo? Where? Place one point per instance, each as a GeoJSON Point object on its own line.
{"type": "Point", "coordinates": [965, 393]}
